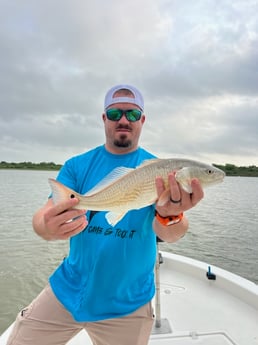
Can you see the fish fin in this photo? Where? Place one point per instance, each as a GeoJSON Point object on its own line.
{"type": "Point", "coordinates": [164, 197]}
{"type": "Point", "coordinates": [60, 192]}
{"type": "Point", "coordinates": [186, 187]}
{"type": "Point", "coordinates": [113, 218]}
{"type": "Point", "coordinates": [184, 179]}
{"type": "Point", "coordinates": [113, 176]}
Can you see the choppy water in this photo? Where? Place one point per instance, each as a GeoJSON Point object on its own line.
{"type": "Point", "coordinates": [223, 232]}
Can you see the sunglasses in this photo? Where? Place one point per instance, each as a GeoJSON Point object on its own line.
{"type": "Point", "coordinates": [131, 115]}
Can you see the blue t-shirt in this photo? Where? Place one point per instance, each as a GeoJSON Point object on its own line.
{"type": "Point", "coordinates": [109, 270]}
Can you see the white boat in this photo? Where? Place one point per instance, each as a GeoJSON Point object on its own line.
{"type": "Point", "coordinates": [197, 305]}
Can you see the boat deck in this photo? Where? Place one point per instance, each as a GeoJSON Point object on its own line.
{"type": "Point", "coordinates": [203, 311]}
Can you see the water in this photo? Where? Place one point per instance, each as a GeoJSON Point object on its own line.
{"type": "Point", "coordinates": [223, 232]}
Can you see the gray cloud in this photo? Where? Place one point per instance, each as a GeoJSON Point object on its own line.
{"type": "Point", "coordinates": [195, 62]}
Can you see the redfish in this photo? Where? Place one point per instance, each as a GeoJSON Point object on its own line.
{"type": "Point", "coordinates": [126, 189]}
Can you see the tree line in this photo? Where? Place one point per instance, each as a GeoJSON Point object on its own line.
{"type": "Point", "coordinates": [30, 165]}
{"type": "Point", "coordinates": [233, 170]}
{"type": "Point", "coordinates": [229, 169]}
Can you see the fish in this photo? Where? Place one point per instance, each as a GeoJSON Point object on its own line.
{"type": "Point", "coordinates": [126, 189]}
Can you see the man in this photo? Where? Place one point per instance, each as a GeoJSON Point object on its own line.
{"type": "Point", "coordinates": [106, 283]}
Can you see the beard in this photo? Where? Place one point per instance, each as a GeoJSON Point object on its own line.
{"type": "Point", "coordinates": [122, 141]}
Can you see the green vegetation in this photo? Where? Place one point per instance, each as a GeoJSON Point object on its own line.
{"type": "Point", "coordinates": [233, 170]}
{"type": "Point", "coordinates": [230, 169]}
{"type": "Point", "coordinates": [30, 166]}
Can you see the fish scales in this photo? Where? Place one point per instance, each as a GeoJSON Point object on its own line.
{"type": "Point", "coordinates": [129, 191]}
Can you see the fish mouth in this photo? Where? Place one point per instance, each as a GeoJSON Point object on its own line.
{"type": "Point", "coordinates": [219, 179]}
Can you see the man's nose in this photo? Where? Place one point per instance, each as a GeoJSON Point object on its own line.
{"type": "Point", "coordinates": [123, 119]}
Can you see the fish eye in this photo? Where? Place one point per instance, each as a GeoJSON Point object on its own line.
{"type": "Point", "coordinates": [209, 171]}
{"type": "Point", "coordinates": [72, 196]}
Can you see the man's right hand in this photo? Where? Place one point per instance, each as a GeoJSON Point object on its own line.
{"type": "Point", "coordinates": [59, 222]}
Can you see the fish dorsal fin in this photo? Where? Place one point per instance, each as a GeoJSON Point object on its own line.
{"type": "Point", "coordinates": [113, 176]}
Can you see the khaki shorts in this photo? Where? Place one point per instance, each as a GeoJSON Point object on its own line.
{"type": "Point", "coordinates": [46, 322]}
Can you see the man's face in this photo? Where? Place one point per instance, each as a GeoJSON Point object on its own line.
{"type": "Point", "coordinates": [122, 136]}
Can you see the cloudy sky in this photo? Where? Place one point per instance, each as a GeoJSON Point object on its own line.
{"type": "Point", "coordinates": [195, 61]}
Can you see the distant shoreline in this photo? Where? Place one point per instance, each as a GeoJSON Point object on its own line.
{"type": "Point", "coordinates": [30, 166]}
{"type": "Point", "coordinates": [229, 169]}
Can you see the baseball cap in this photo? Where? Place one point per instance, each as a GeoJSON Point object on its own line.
{"type": "Point", "coordinates": [137, 100]}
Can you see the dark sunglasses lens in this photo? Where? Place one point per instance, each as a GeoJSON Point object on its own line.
{"type": "Point", "coordinates": [133, 115]}
{"type": "Point", "coordinates": [114, 114]}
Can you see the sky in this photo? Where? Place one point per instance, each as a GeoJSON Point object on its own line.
{"type": "Point", "coordinates": [195, 62]}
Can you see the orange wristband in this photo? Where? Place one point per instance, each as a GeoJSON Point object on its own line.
{"type": "Point", "coordinates": [170, 220]}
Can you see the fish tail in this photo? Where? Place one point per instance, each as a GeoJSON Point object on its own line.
{"type": "Point", "coordinates": [60, 192]}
